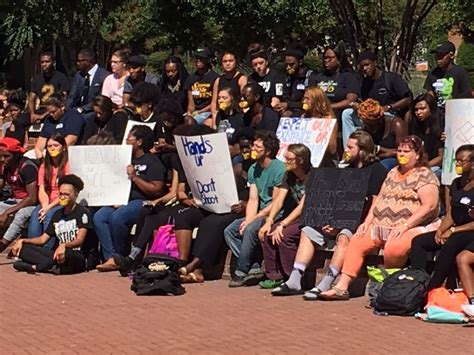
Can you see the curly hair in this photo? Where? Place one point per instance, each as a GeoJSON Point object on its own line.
{"type": "Point", "coordinates": [370, 110]}
{"type": "Point", "coordinates": [270, 142]}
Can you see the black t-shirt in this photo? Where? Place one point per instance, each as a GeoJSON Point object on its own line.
{"type": "Point", "coordinates": [460, 201]}
{"type": "Point", "coordinates": [114, 126]}
{"type": "Point", "coordinates": [236, 120]}
{"type": "Point", "coordinates": [294, 88]}
{"type": "Point", "coordinates": [452, 84]}
{"type": "Point", "coordinates": [232, 83]}
{"type": "Point", "coordinates": [201, 88]}
{"type": "Point", "coordinates": [378, 173]}
{"type": "Point", "coordinates": [387, 89]}
{"type": "Point", "coordinates": [336, 85]}
{"type": "Point", "coordinates": [72, 123]}
{"type": "Point", "coordinates": [176, 93]}
{"type": "Point", "coordinates": [149, 168]}
{"type": "Point", "coordinates": [65, 227]}
{"type": "Point", "coordinates": [272, 84]}
{"type": "Point", "coordinates": [155, 118]}
{"type": "Point", "coordinates": [45, 87]}
{"type": "Point", "coordinates": [19, 127]}
{"type": "Point", "coordinates": [268, 122]}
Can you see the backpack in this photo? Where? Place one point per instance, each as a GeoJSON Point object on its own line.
{"type": "Point", "coordinates": [402, 293]}
{"type": "Point", "coordinates": [158, 275]}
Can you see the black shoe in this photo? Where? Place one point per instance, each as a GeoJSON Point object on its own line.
{"type": "Point", "coordinates": [253, 279]}
{"type": "Point", "coordinates": [237, 281]}
{"type": "Point", "coordinates": [284, 290]}
{"type": "Point", "coordinates": [125, 264]}
{"type": "Point", "coordinates": [23, 266]}
{"type": "Point", "coordinates": [2, 247]}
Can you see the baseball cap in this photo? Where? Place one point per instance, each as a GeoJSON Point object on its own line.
{"type": "Point", "coordinates": [137, 60]}
{"type": "Point", "coordinates": [12, 145]}
{"type": "Point", "coordinates": [202, 53]}
{"type": "Point", "coordinates": [444, 47]}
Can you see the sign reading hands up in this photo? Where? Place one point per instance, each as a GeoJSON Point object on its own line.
{"type": "Point", "coordinates": [208, 168]}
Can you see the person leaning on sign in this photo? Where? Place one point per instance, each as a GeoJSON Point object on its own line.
{"type": "Point", "coordinates": [113, 223]}
{"type": "Point", "coordinates": [359, 154]}
{"type": "Point", "coordinates": [407, 206]}
{"type": "Point", "coordinates": [68, 229]}
{"type": "Point", "coordinates": [280, 240]}
{"type": "Point", "coordinates": [242, 234]}
{"type": "Point", "coordinates": [317, 105]}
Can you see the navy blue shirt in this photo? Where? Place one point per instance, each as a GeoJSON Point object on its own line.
{"type": "Point", "coordinates": [72, 123]}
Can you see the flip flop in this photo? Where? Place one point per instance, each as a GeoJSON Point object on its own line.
{"type": "Point", "coordinates": [191, 278]}
{"type": "Point", "coordinates": [340, 295]}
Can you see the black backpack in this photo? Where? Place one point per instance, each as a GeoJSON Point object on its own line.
{"type": "Point", "coordinates": [403, 293]}
{"type": "Point", "coordinates": [165, 282]}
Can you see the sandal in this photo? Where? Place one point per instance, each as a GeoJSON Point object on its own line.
{"type": "Point", "coordinates": [191, 278]}
{"type": "Point", "coordinates": [312, 295]}
{"type": "Point", "coordinates": [340, 295]}
{"type": "Point", "coordinates": [284, 290]}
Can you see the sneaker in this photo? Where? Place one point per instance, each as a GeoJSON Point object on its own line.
{"type": "Point", "coordinates": [125, 264]}
{"type": "Point", "coordinates": [253, 279]}
{"type": "Point", "coordinates": [270, 284]}
{"type": "Point", "coordinates": [20, 265]}
{"type": "Point", "coordinates": [284, 290]}
{"type": "Point", "coordinates": [237, 281]}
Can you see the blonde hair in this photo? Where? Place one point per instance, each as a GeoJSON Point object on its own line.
{"type": "Point", "coordinates": [319, 104]}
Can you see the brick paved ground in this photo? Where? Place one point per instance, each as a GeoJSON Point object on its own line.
{"type": "Point", "coordinates": [97, 313]}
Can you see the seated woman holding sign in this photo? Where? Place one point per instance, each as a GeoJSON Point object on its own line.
{"type": "Point", "coordinates": [256, 114]}
{"type": "Point", "coordinates": [280, 240]}
{"type": "Point", "coordinates": [457, 229]}
{"type": "Point", "coordinates": [68, 230]}
{"type": "Point", "coordinates": [359, 154]}
{"type": "Point", "coordinates": [407, 206]}
{"type": "Point", "coordinates": [113, 223]}
{"type": "Point", "coordinates": [317, 105]}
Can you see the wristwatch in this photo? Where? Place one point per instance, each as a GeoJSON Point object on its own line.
{"type": "Point", "coordinates": [389, 107]}
{"type": "Point", "coordinates": [453, 229]}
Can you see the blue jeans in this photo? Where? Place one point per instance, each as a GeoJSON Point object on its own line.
{"type": "Point", "coordinates": [389, 163]}
{"type": "Point", "coordinates": [350, 123]}
{"type": "Point", "coordinates": [112, 227]}
{"type": "Point", "coordinates": [37, 228]}
{"type": "Point", "coordinates": [19, 222]}
{"type": "Point", "coordinates": [245, 247]}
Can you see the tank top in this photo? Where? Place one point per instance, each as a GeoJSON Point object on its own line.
{"type": "Point", "coordinates": [387, 142]}
{"type": "Point", "coordinates": [232, 83]}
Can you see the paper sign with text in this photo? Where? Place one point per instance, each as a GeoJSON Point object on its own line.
{"type": "Point", "coordinates": [130, 125]}
{"type": "Point", "coordinates": [459, 131]}
{"type": "Point", "coordinates": [103, 168]}
{"type": "Point", "coordinates": [208, 168]}
{"type": "Point", "coordinates": [312, 132]}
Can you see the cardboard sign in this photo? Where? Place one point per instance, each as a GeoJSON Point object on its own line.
{"type": "Point", "coordinates": [208, 168]}
{"type": "Point", "coordinates": [312, 132]}
{"type": "Point", "coordinates": [459, 131]}
{"type": "Point", "coordinates": [335, 197]}
{"type": "Point", "coordinates": [131, 124]}
{"type": "Point", "coordinates": [103, 168]}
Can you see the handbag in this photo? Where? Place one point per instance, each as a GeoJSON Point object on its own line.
{"type": "Point", "coordinates": [447, 299]}
{"type": "Point", "coordinates": [165, 241]}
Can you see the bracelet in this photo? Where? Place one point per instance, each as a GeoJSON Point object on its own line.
{"type": "Point", "coordinates": [377, 149]}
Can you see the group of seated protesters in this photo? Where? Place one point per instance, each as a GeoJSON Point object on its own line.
{"type": "Point", "coordinates": [399, 142]}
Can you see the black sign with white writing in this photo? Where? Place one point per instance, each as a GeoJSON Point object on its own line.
{"type": "Point", "coordinates": [335, 197]}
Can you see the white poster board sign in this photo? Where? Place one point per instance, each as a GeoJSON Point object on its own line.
{"type": "Point", "coordinates": [459, 130]}
{"type": "Point", "coordinates": [130, 125]}
{"type": "Point", "coordinates": [208, 168]}
{"type": "Point", "coordinates": [312, 132]}
{"type": "Point", "coordinates": [103, 168]}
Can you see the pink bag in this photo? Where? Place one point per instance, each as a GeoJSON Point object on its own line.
{"type": "Point", "coordinates": [165, 241]}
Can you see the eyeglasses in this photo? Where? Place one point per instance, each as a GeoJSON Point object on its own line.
{"type": "Point", "coordinates": [461, 161]}
{"type": "Point", "coordinates": [115, 61]}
